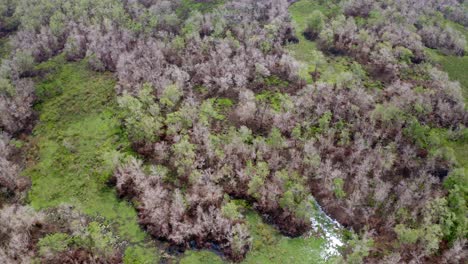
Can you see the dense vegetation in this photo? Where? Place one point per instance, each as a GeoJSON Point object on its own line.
{"type": "Point", "coordinates": [198, 117]}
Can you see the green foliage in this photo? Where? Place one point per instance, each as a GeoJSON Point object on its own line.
{"type": "Point", "coordinates": [315, 23]}
{"type": "Point", "coordinates": [259, 173]}
{"type": "Point", "coordinates": [407, 235]}
{"type": "Point", "coordinates": [295, 197]}
{"type": "Point", "coordinates": [171, 96]}
{"type": "Point", "coordinates": [455, 223]}
{"type": "Point", "coordinates": [178, 122]}
{"type": "Point", "coordinates": [8, 22]}
{"type": "Point", "coordinates": [324, 121]}
{"type": "Point", "coordinates": [139, 255]}
{"type": "Point", "coordinates": [6, 87]}
{"type": "Point", "coordinates": [276, 100]}
{"type": "Point", "coordinates": [24, 61]}
{"type": "Point", "coordinates": [404, 54]}
{"type": "Point", "coordinates": [223, 104]}
{"type": "Point", "coordinates": [17, 143]}
{"type": "Point", "coordinates": [188, 6]}
{"type": "Point", "coordinates": [338, 185]}
{"type": "Point", "coordinates": [360, 246]}
{"type": "Point", "coordinates": [57, 23]}
{"type": "Point", "coordinates": [209, 111]}
{"type": "Point", "coordinates": [5, 47]}
{"type": "Point", "coordinates": [275, 139]}
{"type": "Point", "coordinates": [145, 23]}
{"type": "Point", "coordinates": [94, 238]}
{"type": "Point", "coordinates": [432, 139]}
{"type": "Point", "coordinates": [141, 115]}
{"type": "Point", "coordinates": [53, 243]}
{"type": "Point", "coordinates": [231, 210]}
{"type": "Point", "coordinates": [97, 239]}
{"type": "Point", "coordinates": [275, 81]}
{"type": "Point", "coordinates": [387, 113]}
{"type": "Point", "coordinates": [432, 235]}
{"type": "Point", "coordinates": [429, 235]}
{"type": "Point", "coordinates": [184, 151]}
{"type": "Point", "coordinates": [322, 125]}
{"type": "Point", "coordinates": [306, 52]}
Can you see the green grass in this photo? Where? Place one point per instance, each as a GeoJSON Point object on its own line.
{"type": "Point", "coordinates": [306, 51]}
{"type": "Point", "coordinates": [300, 12]}
{"type": "Point", "coordinates": [78, 139]}
{"type": "Point", "coordinates": [457, 69]}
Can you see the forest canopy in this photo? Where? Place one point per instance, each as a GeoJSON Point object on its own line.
{"type": "Point", "coordinates": [220, 109]}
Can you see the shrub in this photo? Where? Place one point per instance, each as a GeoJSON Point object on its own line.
{"type": "Point", "coordinates": [315, 24]}
{"type": "Point", "coordinates": [141, 115]}
{"type": "Point", "coordinates": [408, 235]}
{"type": "Point", "coordinates": [16, 225]}
{"type": "Point", "coordinates": [338, 184]}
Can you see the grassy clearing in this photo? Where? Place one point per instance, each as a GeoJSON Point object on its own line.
{"type": "Point", "coordinates": [331, 68]}
{"type": "Point", "coordinates": [76, 144]}
{"type": "Point", "coordinates": [457, 69]}
{"type": "Point", "coordinates": [304, 51]}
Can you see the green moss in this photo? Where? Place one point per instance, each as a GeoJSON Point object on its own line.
{"type": "Point", "coordinates": [78, 139]}
{"type": "Point", "coordinates": [201, 257]}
